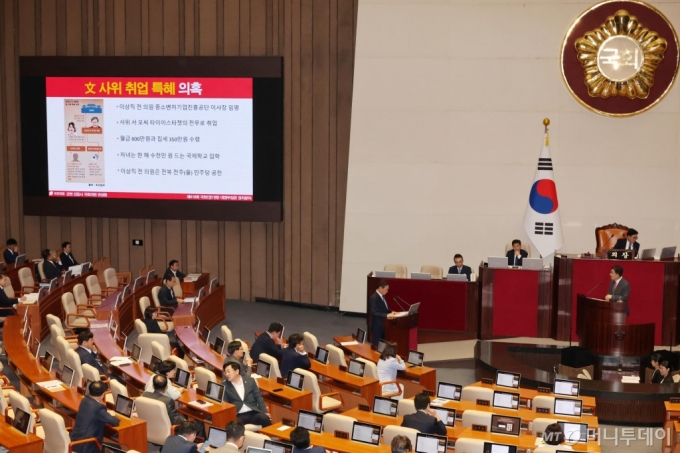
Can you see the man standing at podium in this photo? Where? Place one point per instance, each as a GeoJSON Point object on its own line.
{"type": "Point", "coordinates": [630, 242]}
{"type": "Point", "coordinates": [379, 310]}
{"type": "Point", "coordinates": [619, 288]}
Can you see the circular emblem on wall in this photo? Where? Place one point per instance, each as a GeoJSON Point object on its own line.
{"type": "Point", "coordinates": [620, 58]}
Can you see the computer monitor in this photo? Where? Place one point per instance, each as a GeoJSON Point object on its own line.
{"type": "Point", "coordinates": [214, 391]}
{"type": "Point", "coordinates": [501, 424]}
{"type": "Point", "coordinates": [570, 407]}
{"type": "Point", "coordinates": [213, 284]}
{"type": "Point", "coordinates": [311, 421]}
{"type": "Point", "coordinates": [257, 450]}
{"type": "Point", "coordinates": [490, 447]}
{"type": "Point", "coordinates": [506, 400]}
{"type": "Point", "coordinates": [295, 380]}
{"type": "Point", "coordinates": [535, 264]}
{"type": "Point", "coordinates": [667, 252]}
{"type": "Point", "coordinates": [67, 376]}
{"type": "Point", "coordinates": [153, 363]}
{"type": "Point", "coordinates": [321, 355]}
{"type": "Point", "coordinates": [182, 378]}
{"type": "Point", "coordinates": [385, 406]}
{"type": "Point", "coordinates": [366, 433]}
{"type": "Point", "coordinates": [356, 367]}
{"type": "Point", "coordinates": [385, 274]}
{"type": "Point", "coordinates": [139, 282]}
{"type": "Point", "coordinates": [47, 361]}
{"type": "Point", "coordinates": [278, 447]}
{"type": "Point", "coordinates": [218, 347]}
{"type": "Point", "coordinates": [126, 291]}
{"type": "Point", "coordinates": [361, 335]}
{"type": "Point", "coordinates": [85, 267]}
{"type": "Point", "coordinates": [136, 353]}
{"type": "Point", "coordinates": [21, 259]}
{"type": "Point", "coordinates": [216, 437]}
{"type": "Point", "coordinates": [151, 275]}
{"type": "Point", "coordinates": [421, 276]}
{"type": "Point", "coordinates": [446, 415]}
{"type": "Point", "coordinates": [574, 432]}
{"type": "Point", "coordinates": [648, 254]}
{"type": "Point", "coordinates": [456, 277]}
{"type": "Point", "coordinates": [415, 358]}
{"type": "Point", "coordinates": [497, 262]}
{"type": "Point", "coordinates": [507, 379]}
{"type": "Point", "coordinates": [22, 420]}
{"type": "Point", "coordinates": [67, 277]}
{"type": "Point", "coordinates": [566, 388]}
{"type": "Point", "coordinates": [449, 391]}
{"type": "Point", "coordinates": [381, 345]}
{"type": "Point", "coordinates": [263, 369]}
{"type": "Point", "coordinates": [124, 406]}
{"type": "Point", "coordinates": [429, 443]}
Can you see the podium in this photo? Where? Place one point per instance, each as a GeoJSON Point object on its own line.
{"type": "Point", "coordinates": [601, 327]}
{"type": "Point", "coordinates": [404, 332]}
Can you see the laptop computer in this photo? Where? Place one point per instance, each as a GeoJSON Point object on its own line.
{"type": "Point", "coordinates": [574, 432]}
{"type": "Point", "coordinates": [568, 406]}
{"type": "Point", "coordinates": [21, 259]}
{"type": "Point", "coordinates": [22, 420]}
{"type": "Point", "coordinates": [563, 387]}
{"type": "Point", "coordinates": [456, 277]}
{"type": "Point", "coordinates": [214, 391]}
{"type": "Point", "coordinates": [182, 378]}
{"type": "Point", "coordinates": [446, 415]}
{"type": "Point", "coordinates": [295, 380]}
{"type": "Point", "coordinates": [502, 424]}
{"type": "Point", "coordinates": [124, 406]}
{"type": "Point", "coordinates": [648, 254]}
{"type": "Point", "coordinates": [430, 443]}
{"type": "Point", "coordinates": [385, 406]}
{"type": "Point", "coordinates": [67, 376]}
{"type": "Point", "coordinates": [421, 276]}
{"type": "Point", "coordinates": [532, 264]}
{"type": "Point", "coordinates": [497, 262]}
{"type": "Point", "coordinates": [278, 447]}
{"type": "Point", "coordinates": [667, 253]}
{"type": "Point", "coordinates": [218, 347]}
{"type": "Point", "coordinates": [366, 433]}
{"type": "Point", "coordinates": [415, 358]}
{"type": "Point", "coordinates": [356, 368]}
{"type": "Point", "coordinates": [263, 369]}
{"type": "Point", "coordinates": [385, 274]}
{"type": "Point", "coordinates": [311, 421]}
{"type": "Point", "coordinates": [321, 355]}
{"type": "Point", "coordinates": [506, 400]}
{"type": "Point", "coordinates": [216, 437]}
{"type": "Point", "coordinates": [449, 391]}
{"type": "Point", "coordinates": [490, 447]}
{"type": "Point", "coordinates": [507, 379]}
{"type": "Point", "coordinates": [136, 353]}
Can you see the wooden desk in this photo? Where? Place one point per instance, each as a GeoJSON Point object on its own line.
{"type": "Point", "coordinates": [190, 340]}
{"type": "Point", "coordinates": [216, 414]}
{"type": "Point", "coordinates": [210, 310]}
{"type": "Point", "coordinates": [16, 442]}
{"type": "Point", "coordinates": [671, 420]}
{"type": "Point", "coordinates": [452, 433]}
{"type": "Point", "coordinates": [328, 441]}
{"type": "Point", "coordinates": [284, 402]}
{"type": "Point", "coordinates": [134, 375]}
{"type": "Point", "coordinates": [524, 442]}
{"type": "Point", "coordinates": [347, 384]}
{"type": "Point", "coordinates": [415, 379]}
{"type": "Point", "coordinates": [673, 444]}
{"type": "Point", "coordinates": [191, 288]}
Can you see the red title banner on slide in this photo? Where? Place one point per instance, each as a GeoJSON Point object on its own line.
{"type": "Point", "coordinates": [150, 87]}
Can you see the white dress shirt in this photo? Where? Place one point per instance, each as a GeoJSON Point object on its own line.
{"type": "Point", "coordinates": [240, 389]}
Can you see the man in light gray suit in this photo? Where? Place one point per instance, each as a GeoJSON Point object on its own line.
{"type": "Point", "coordinates": [236, 434]}
{"type": "Point", "coordinates": [619, 288]}
{"type": "Point", "coordinates": [243, 392]}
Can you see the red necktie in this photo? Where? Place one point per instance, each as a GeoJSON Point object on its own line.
{"type": "Point", "coordinates": [615, 283]}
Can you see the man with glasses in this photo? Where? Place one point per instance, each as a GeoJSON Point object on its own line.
{"type": "Point", "coordinates": [238, 354]}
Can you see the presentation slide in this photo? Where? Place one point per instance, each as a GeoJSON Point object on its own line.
{"type": "Point", "coordinates": [187, 138]}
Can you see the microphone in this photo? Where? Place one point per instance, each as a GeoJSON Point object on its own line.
{"type": "Point", "coordinates": [594, 288]}
{"type": "Point", "coordinates": [397, 301]}
{"type": "Point", "coordinates": [404, 301]}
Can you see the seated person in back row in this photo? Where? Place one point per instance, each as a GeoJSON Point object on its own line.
{"type": "Point", "coordinates": [151, 323]}
{"type": "Point", "coordinates": [50, 267]}
{"type": "Point", "coordinates": [238, 354]}
{"type": "Point", "coordinates": [516, 254]}
{"type": "Point", "coordinates": [268, 342]}
{"type": "Point", "coordinates": [459, 267]}
{"type": "Point", "coordinates": [629, 242]}
{"type": "Point", "coordinates": [166, 295]}
{"type": "Point", "coordinates": [294, 356]}
{"type": "Point", "coordinates": [11, 252]}
{"type": "Point", "coordinates": [244, 393]}
{"type": "Point", "coordinates": [299, 437]}
{"type": "Point", "coordinates": [66, 258]}
{"type": "Point", "coordinates": [425, 420]}
{"type": "Point", "coordinates": [6, 303]}
{"type": "Point", "coordinates": [173, 268]}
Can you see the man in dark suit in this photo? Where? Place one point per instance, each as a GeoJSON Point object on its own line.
{"type": "Point", "coordinates": [88, 355]}
{"type": "Point", "coordinates": [50, 268]}
{"type": "Point", "coordinates": [294, 356]}
{"type": "Point", "coordinates": [66, 258]}
{"type": "Point", "coordinates": [268, 342]}
{"type": "Point", "coordinates": [459, 267]}
{"type": "Point", "coordinates": [6, 303]}
{"type": "Point", "coordinates": [244, 393]}
{"type": "Point", "coordinates": [629, 242]}
{"type": "Point", "coordinates": [378, 311]}
{"type": "Point", "coordinates": [11, 252]}
{"type": "Point", "coordinates": [299, 437]}
{"type": "Point", "coordinates": [151, 323]}
{"type": "Point", "coordinates": [91, 419]}
{"type": "Point", "coordinates": [425, 420]}
{"type": "Point", "coordinates": [173, 268]}
{"type": "Point", "coordinates": [166, 295]}
{"type": "Point", "coordinates": [160, 385]}
{"type": "Point", "coordinates": [619, 288]}
{"type": "Point", "coordinates": [183, 440]}
{"type": "Point", "coordinates": [516, 254]}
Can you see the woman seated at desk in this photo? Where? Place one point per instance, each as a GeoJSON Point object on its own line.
{"type": "Point", "coordinates": [166, 368]}
{"type": "Point", "coordinates": [388, 366]}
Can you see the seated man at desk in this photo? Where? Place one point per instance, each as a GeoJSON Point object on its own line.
{"type": "Point", "coordinates": [244, 393]}
{"type": "Point", "coordinates": [299, 437]}
{"type": "Point", "coordinates": [183, 439]}
{"type": "Point", "coordinates": [619, 288]}
{"type": "Point", "coordinates": [166, 296]}
{"type": "Point", "coordinates": [294, 356]}
{"type": "Point", "coordinates": [459, 267]}
{"type": "Point", "coordinates": [238, 354]}
{"type": "Point", "coordinates": [166, 368]}
{"type": "Point", "coordinates": [151, 323]}
{"type": "Point", "coordinates": [11, 252]}
{"type": "Point", "coordinates": [425, 419]}
{"type": "Point", "coordinates": [6, 303]}
{"type": "Point", "coordinates": [50, 267]}
{"type": "Point", "coordinates": [92, 418]}
{"type": "Point", "coordinates": [268, 342]}
{"type": "Point", "coordinates": [516, 254]}
{"type": "Point", "coordinates": [173, 268]}
{"type": "Point", "coordinates": [236, 436]}
{"type": "Point", "coordinates": [66, 258]}
{"type": "Point", "coordinates": [160, 387]}
{"type": "Point", "coordinates": [629, 242]}
{"type": "Point", "coordinates": [88, 355]}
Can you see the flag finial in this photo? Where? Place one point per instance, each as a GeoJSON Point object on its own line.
{"type": "Point", "coordinates": [546, 123]}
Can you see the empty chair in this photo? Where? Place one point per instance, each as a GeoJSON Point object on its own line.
{"type": "Point", "coordinates": [51, 319]}
{"type": "Point", "coordinates": [320, 402]}
{"type": "Point", "coordinates": [55, 430]}
{"type": "Point", "coordinates": [203, 376]}
{"type": "Point", "coordinates": [81, 298]}
{"type": "Point", "coordinates": [95, 289]}
{"type": "Point", "coordinates": [144, 342]}
{"type": "Point", "coordinates": [117, 389]}
{"type": "Point", "coordinates": [406, 407]}
{"type": "Point", "coordinates": [254, 439]}
{"type": "Point", "coordinates": [311, 343]}
{"type": "Point", "coordinates": [158, 425]}
{"type": "Point", "coordinates": [63, 347]}
{"type": "Point", "coordinates": [75, 319]}
{"type": "Point", "coordinates": [540, 424]}
{"type": "Point", "coordinates": [274, 371]}
{"type": "Point", "coordinates": [154, 296]}
{"type": "Point", "coordinates": [90, 373]}
{"type": "Point", "coordinates": [226, 334]}
{"type": "Point", "coordinates": [473, 417]}
{"type": "Point", "coordinates": [5, 408]}
{"type": "Point", "coordinates": [400, 270]}
{"type": "Point", "coordinates": [471, 445]}
{"type": "Point", "coordinates": [472, 393]}
{"type": "Point", "coordinates": [111, 281]}
{"type": "Point", "coordinates": [75, 364]}
{"type": "Point", "coordinates": [140, 327]}
{"type": "Point", "coordinates": [158, 350]}
{"type": "Point", "coordinates": [27, 281]}
{"type": "Point", "coordinates": [56, 331]}
{"type": "Point", "coordinates": [543, 402]}
{"type": "Point", "coordinates": [391, 431]}
{"type": "Point", "coordinates": [336, 356]}
{"type": "Point", "coordinates": [435, 271]}
{"type": "Point", "coordinates": [337, 422]}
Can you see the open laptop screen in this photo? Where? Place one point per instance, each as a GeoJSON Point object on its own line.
{"type": "Point", "coordinates": [366, 433]}
{"type": "Point", "coordinates": [310, 421]}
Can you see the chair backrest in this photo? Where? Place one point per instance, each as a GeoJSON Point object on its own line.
{"type": "Point", "coordinates": [68, 304]}
{"type": "Point", "coordinates": [110, 279]}
{"type": "Point", "coordinates": [117, 389]}
{"type": "Point", "coordinates": [9, 289]}
{"type": "Point", "coordinates": [472, 393]}
{"type": "Point", "coordinates": [337, 422]}
{"type": "Point", "coordinates": [539, 425]}
{"type": "Point", "coordinates": [274, 371]}
{"type": "Point", "coordinates": [226, 335]}
{"type": "Point", "coordinates": [158, 350]}
{"type": "Point", "coordinates": [140, 327]}
{"type": "Point", "coordinates": [574, 372]}
{"type": "Point", "coordinates": [76, 366]}
{"type": "Point", "coordinates": [400, 270]}
{"type": "Point", "coordinates": [525, 246]}
{"type": "Point", "coordinates": [406, 407]}
{"type": "Point", "coordinates": [311, 384]}
{"type": "Point", "coordinates": [181, 363]}
{"type": "Point", "coordinates": [56, 332]}
{"type": "Point", "coordinates": [41, 270]}
{"type": "Point", "coordinates": [158, 425]}
{"type": "Point", "coordinates": [143, 271]}
{"type": "Point", "coordinates": [144, 341]}
{"type": "Point", "coordinates": [588, 372]}
{"type": "Point", "coordinates": [51, 320]}
{"type": "Point", "coordinates": [90, 373]}
{"type": "Point", "coordinates": [154, 295]}
{"type": "Point", "coordinates": [607, 235]}
{"type": "Point", "coordinates": [63, 347]}
{"type": "Point", "coordinates": [92, 284]}
{"type": "Point", "coordinates": [17, 400]}
{"type": "Point", "coordinates": [106, 262]}
{"type": "Point", "coordinates": [254, 439]}
{"type": "Point", "coordinates": [177, 289]}
{"type": "Point", "coordinates": [336, 356]}
{"type": "Point", "coordinates": [144, 302]}
{"type": "Point", "coordinates": [79, 294]}
{"type": "Point", "coordinates": [311, 343]}
{"type": "Point", "coordinates": [3, 404]}
{"type": "Point", "coordinates": [203, 376]}
{"type": "Point", "coordinates": [26, 277]}
{"type": "Point", "coordinates": [392, 431]}
{"type": "Point", "coordinates": [473, 417]}
{"type": "Point", "coordinates": [370, 368]}
{"type": "Point", "coordinates": [55, 431]}
{"type": "Point", "coordinates": [434, 271]}
{"type": "Point", "coordinates": [470, 445]}
{"type": "Point", "coordinates": [544, 402]}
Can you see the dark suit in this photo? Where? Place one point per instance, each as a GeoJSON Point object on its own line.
{"type": "Point", "coordinates": [656, 377]}
{"type": "Point", "coordinates": [621, 293]}
{"type": "Point", "coordinates": [378, 310]}
{"type": "Point", "coordinates": [177, 444]}
{"type": "Point", "coordinates": [91, 359]}
{"type": "Point", "coordinates": [175, 417]}
{"type": "Point", "coordinates": [511, 257]}
{"type": "Point", "coordinates": [153, 327]}
{"type": "Point", "coordinates": [9, 256]}
{"type": "Point", "coordinates": [265, 343]}
{"type": "Point", "coordinates": [180, 276]}
{"type": "Point", "coordinates": [465, 271]}
{"type": "Point", "coordinates": [67, 260]}
{"type": "Point", "coordinates": [622, 244]}
{"type": "Point", "coordinates": [167, 299]}
{"type": "Point", "coordinates": [252, 397]}
{"type": "Point", "coordinates": [309, 450]}
{"type": "Point", "coordinates": [292, 359]}
{"type": "Point", "coordinates": [424, 423]}
{"type": "Point", "coordinates": [51, 270]}
{"type": "Point", "coordinates": [90, 421]}
{"type": "Point", "coordinates": [6, 302]}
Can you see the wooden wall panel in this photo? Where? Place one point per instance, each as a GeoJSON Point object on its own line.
{"type": "Point", "coordinates": [298, 259]}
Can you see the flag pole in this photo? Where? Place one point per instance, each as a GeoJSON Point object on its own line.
{"type": "Point", "coordinates": [550, 259]}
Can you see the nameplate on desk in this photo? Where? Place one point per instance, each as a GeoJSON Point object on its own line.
{"type": "Point", "coordinates": [200, 392]}
{"type": "Point", "coordinates": [487, 381]}
{"type": "Point", "coordinates": [450, 444]}
{"type": "Point", "coordinates": [542, 410]}
{"type": "Point", "coordinates": [675, 400]}
{"type": "Point", "coordinates": [280, 380]}
{"type": "Point", "coordinates": [544, 390]}
{"type": "Point", "coordinates": [363, 407]}
{"type": "Point", "coordinates": [480, 428]}
{"type": "Point", "coordinates": [429, 392]}
{"type": "Point", "coordinates": [287, 422]}
{"type": "Point", "coordinates": [343, 368]}
{"type": "Point", "coordinates": [80, 390]}
{"type": "Point", "coordinates": [483, 402]}
{"type": "Point", "coordinates": [589, 410]}
{"type": "Point", "coordinates": [620, 254]}
{"type": "Point", "coordinates": [341, 434]}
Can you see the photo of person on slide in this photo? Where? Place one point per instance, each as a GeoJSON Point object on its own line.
{"type": "Point", "coordinates": [71, 129]}
{"type": "Point", "coordinates": [75, 158]}
{"type": "Point", "coordinates": [95, 123]}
